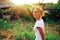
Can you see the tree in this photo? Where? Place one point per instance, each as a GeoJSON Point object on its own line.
{"type": "Point", "coordinates": [57, 6]}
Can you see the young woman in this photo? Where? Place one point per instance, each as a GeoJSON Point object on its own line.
{"type": "Point", "coordinates": [39, 24]}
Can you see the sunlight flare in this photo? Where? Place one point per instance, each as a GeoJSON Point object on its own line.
{"type": "Point", "coordinates": [20, 2]}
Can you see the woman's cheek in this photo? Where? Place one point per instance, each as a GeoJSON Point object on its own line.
{"type": "Point", "coordinates": [37, 15]}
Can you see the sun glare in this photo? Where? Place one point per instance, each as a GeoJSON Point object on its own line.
{"type": "Point", "coordinates": [20, 2]}
{"type": "Point", "coordinates": [50, 1]}
{"type": "Point", "coordinates": [17, 2]}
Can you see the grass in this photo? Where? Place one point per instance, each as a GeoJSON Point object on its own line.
{"type": "Point", "coordinates": [23, 30]}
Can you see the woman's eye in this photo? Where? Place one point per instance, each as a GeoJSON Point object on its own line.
{"type": "Point", "coordinates": [35, 12]}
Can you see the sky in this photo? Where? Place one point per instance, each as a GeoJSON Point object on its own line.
{"type": "Point", "coordinates": [19, 2]}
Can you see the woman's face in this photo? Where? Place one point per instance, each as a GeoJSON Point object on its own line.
{"type": "Point", "coordinates": [36, 13]}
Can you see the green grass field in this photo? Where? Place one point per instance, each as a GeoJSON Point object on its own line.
{"type": "Point", "coordinates": [23, 30]}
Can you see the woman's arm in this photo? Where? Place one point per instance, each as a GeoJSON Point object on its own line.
{"type": "Point", "coordinates": [41, 32]}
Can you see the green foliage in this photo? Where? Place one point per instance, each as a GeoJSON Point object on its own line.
{"type": "Point", "coordinates": [26, 18]}
{"type": "Point", "coordinates": [58, 29]}
{"type": "Point", "coordinates": [53, 36]}
{"type": "Point", "coordinates": [5, 12]}
{"type": "Point", "coordinates": [54, 15]}
{"type": "Point", "coordinates": [4, 25]}
{"type": "Point", "coordinates": [0, 11]}
{"type": "Point", "coordinates": [26, 35]}
{"type": "Point", "coordinates": [29, 35]}
{"type": "Point", "coordinates": [24, 30]}
{"type": "Point", "coordinates": [57, 6]}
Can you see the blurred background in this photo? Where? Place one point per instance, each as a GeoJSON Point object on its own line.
{"type": "Point", "coordinates": [17, 22]}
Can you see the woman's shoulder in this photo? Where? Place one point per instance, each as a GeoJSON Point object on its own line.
{"type": "Point", "coordinates": [41, 20]}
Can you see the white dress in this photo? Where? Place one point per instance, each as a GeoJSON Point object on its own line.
{"type": "Point", "coordinates": [40, 24]}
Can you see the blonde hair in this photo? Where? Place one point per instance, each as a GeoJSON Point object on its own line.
{"type": "Point", "coordinates": [40, 10]}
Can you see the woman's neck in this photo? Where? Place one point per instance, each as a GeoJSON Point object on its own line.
{"type": "Point", "coordinates": [38, 19]}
